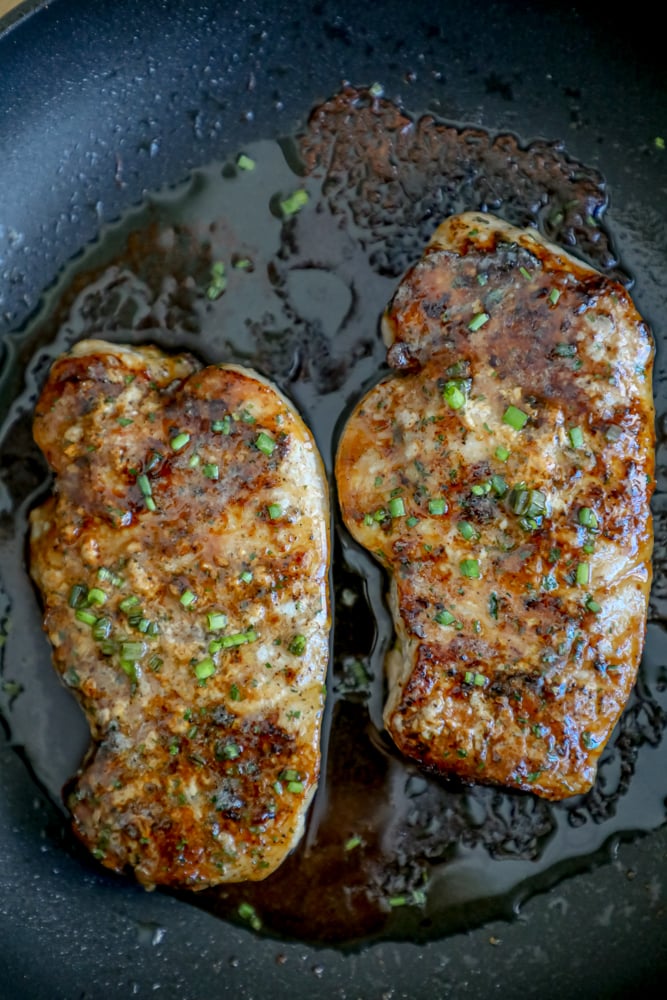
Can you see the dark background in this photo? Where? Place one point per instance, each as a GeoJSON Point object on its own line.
{"type": "Point", "coordinates": [172, 85]}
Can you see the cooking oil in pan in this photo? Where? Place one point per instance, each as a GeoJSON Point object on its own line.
{"type": "Point", "coordinates": [232, 266]}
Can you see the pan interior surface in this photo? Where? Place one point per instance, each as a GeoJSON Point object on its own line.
{"type": "Point", "coordinates": [310, 275]}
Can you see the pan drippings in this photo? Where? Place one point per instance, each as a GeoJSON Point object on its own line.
{"type": "Point", "coordinates": [232, 266]}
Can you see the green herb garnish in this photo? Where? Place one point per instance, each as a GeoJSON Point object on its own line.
{"type": "Point", "coordinates": [515, 418]}
{"type": "Point", "coordinates": [179, 441]}
{"type": "Point", "coordinates": [478, 321]}
{"type": "Point", "coordinates": [470, 568]}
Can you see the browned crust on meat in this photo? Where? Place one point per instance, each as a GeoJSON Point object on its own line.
{"type": "Point", "coordinates": [197, 775]}
{"type": "Point", "coordinates": [524, 684]}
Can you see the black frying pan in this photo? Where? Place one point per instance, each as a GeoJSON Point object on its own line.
{"type": "Point", "coordinates": [100, 103]}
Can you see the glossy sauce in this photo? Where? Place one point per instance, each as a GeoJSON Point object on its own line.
{"type": "Point", "coordinates": [389, 851]}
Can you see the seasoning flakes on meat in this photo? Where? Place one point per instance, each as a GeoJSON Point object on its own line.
{"type": "Point", "coordinates": [503, 474]}
{"type": "Point", "coordinates": [183, 564]}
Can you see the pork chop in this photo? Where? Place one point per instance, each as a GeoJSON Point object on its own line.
{"type": "Point", "coordinates": [183, 564]}
{"type": "Point", "coordinates": [502, 474]}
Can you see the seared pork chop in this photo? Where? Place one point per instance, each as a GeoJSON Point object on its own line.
{"type": "Point", "coordinates": [183, 564]}
{"type": "Point", "coordinates": [503, 475]}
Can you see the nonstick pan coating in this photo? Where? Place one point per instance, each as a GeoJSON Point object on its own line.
{"type": "Point", "coordinates": [172, 86]}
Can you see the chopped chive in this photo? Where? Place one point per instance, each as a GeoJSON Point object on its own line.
{"type": "Point", "coordinates": [445, 618]}
{"type": "Point", "coordinates": [554, 296]}
{"type": "Point", "coordinates": [479, 680]}
{"type": "Point", "coordinates": [223, 426]}
{"type": "Point", "coordinates": [230, 751]}
{"type": "Point", "coordinates": [437, 506]}
{"type": "Point", "coordinates": [297, 645]}
{"type": "Point", "coordinates": [132, 651]}
{"type": "Point", "coordinates": [459, 369]}
{"type": "Point", "coordinates": [583, 574]}
{"type": "Point", "coordinates": [468, 677]}
{"type": "Point", "coordinates": [369, 520]}
{"type": "Point", "coordinates": [107, 575]}
{"type": "Point", "coordinates": [237, 639]}
{"type": "Point", "coordinates": [144, 485]}
{"type": "Point", "coordinates": [526, 273]}
{"type": "Point", "coordinates": [593, 606]}
{"type": "Point", "coordinates": [412, 522]}
{"type": "Point", "coordinates": [216, 620]}
{"type": "Point", "coordinates": [482, 279]}
{"type": "Point", "coordinates": [155, 663]}
{"type": "Point", "coordinates": [85, 616]}
{"type": "Point", "coordinates": [396, 507]}
{"type": "Point", "coordinates": [453, 395]}
{"type": "Point", "coordinates": [244, 162]}
{"type": "Point", "coordinates": [514, 417]}
{"type": "Point", "coordinates": [242, 263]}
{"type": "Point", "coordinates": [467, 531]}
{"type": "Point", "coordinates": [265, 443]}
{"type": "Point", "coordinates": [78, 595]}
{"type": "Point", "coordinates": [96, 596]}
{"type": "Point", "coordinates": [470, 569]}
{"type": "Point", "coordinates": [352, 842]}
{"type": "Point", "coordinates": [129, 667]}
{"type": "Point", "coordinates": [587, 517]}
{"type": "Point", "coordinates": [153, 461]}
{"type": "Point", "coordinates": [246, 576]}
{"type": "Point", "coordinates": [211, 470]}
{"type": "Point", "coordinates": [124, 421]}
{"type": "Point", "coordinates": [493, 605]}
{"type": "Point", "coordinates": [204, 669]}
{"type": "Point", "coordinates": [565, 350]}
{"type": "Point", "coordinates": [129, 602]}
{"type": "Point", "coordinates": [150, 504]}
{"type": "Point", "coordinates": [294, 202]}
{"type": "Point", "coordinates": [274, 511]}
{"type": "Point", "coordinates": [188, 598]}
{"type": "Point", "coordinates": [479, 491]}
{"type": "Point", "coordinates": [295, 787]}
{"type": "Point", "coordinates": [194, 461]}
{"type": "Point", "coordinates": [499, 485]}
{"type": "Point", "coordinates": [478, 321]}
{"type": "Point", "coordinates": [247, 912]}
{"type": "Point", "coordinates": [502, 453]}
{"type": "Point", "coordinates": [218, 281]}
{"type": "Point", "coordinates": [576, 437]}
{"type": "Point", "coordinates": [179, 441]}
{"type": "Point", "coordinates": [527, 503]}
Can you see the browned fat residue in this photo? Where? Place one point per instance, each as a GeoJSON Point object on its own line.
{"type": "Point", "coordinates": [400, 175]}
